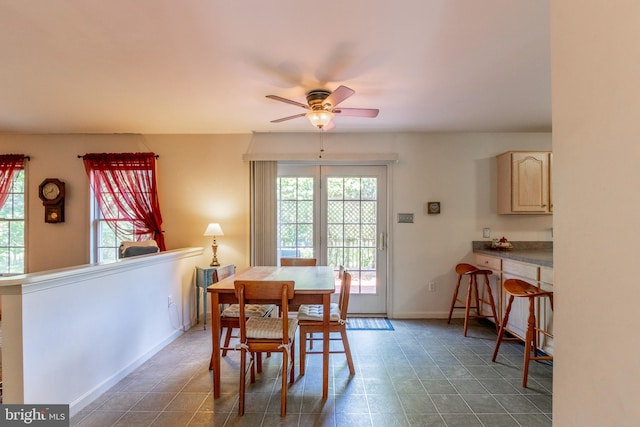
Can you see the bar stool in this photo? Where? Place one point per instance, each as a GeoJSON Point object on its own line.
{"type": "Point", "coordinates": [521, 289]}
{"type": "Point", "coordinates": [473, 272]}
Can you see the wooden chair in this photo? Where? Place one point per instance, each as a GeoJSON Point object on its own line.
{"type": "Point", "coordinates": [266, 334]}
{"type": "Point", "coordinates": [334, 306]}
{"type": "Point", "coordinates": [517, 288]}
{"type": "Point", "coordinates": [310, 319]}
{"type": "Point", "coordinates": [298, 262]}
{"type": "Point", "coordinates": [472, 272]}
{"type": "Point", "coordinates": [229, 318]}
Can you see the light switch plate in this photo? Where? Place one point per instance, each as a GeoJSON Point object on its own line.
{"type": "Point", "coordinates": [406, 218]}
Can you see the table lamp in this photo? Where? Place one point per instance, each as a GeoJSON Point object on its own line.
{"type": "Point", "coordinates": [214, 230]}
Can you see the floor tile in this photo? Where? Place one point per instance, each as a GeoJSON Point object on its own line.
{"type": "Point", "coordinates": [425, 373]}
{"type": "Point", "coordinates": [450, 404]}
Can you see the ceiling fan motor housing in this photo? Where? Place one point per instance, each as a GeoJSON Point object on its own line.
{"type": "Point", "coordinates": [315, 97]}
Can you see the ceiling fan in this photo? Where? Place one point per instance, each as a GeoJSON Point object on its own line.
{"type": "Point", "coordinates": [322, 104]}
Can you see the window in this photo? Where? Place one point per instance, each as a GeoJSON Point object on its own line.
{"type": "Point", "coordinates": [125, 202]}
{"type": "Point", "coordinates": [352, 219]}
{"type": "Point", "coordinates": [12, 223]}
{"type": "Point", "coordinates": [295, 217]}
{"type": "Point", "coordinates": [108, 234]}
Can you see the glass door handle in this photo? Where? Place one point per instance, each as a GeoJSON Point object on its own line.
{"type": "Point", "coordinates": [382, 241]}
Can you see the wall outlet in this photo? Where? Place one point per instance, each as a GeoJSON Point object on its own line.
{"type": "Point", "coordinates": [432, 286]}
{"type": "Point", "coordinates": [486, 233]}
{"type": "Point", "coordinates": [169, 301]}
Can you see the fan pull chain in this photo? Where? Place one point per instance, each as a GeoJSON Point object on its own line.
{"type": "Point", "coordinates": [321, 143]}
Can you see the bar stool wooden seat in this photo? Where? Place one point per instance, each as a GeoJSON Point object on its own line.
{"type": "Point", "coordinates": [516, 288]}
{"type": "Point", "coordinates": [472, 272]}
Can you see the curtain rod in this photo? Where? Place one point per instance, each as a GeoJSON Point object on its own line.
{"type": "Point", "coordinates": [156, 156]}
{"type": "Point", "coordinates": [23, 156]}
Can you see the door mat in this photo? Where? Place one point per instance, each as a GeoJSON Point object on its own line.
{"type": "Point", "coordinates": [369, 324]}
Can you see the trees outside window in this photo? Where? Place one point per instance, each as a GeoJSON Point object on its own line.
{"type": "Point", "coordinates": [12, 214]}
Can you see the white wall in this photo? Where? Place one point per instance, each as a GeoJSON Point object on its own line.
{"type": "Point", "coordinates": [71, 334]}
{"type": "Point", "coordinates": [202, 179]}
{"type": "Point", "coordinates": [596, 105]}
{"type": "Point", "coordinates": [459, 170]}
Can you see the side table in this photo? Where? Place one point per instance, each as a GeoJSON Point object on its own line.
{"type": "Point", "coordinates": [204, 279]}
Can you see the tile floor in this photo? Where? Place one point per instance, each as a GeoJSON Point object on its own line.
{"type": "Point", "coordinates": [425, 373]}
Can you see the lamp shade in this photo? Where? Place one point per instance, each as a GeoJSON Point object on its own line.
{"type": "Point", "coordinates": [319, 118]}
{"type": "Point", "coordinates": [213, 229]}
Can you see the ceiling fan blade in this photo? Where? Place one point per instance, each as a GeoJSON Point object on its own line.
{"type": "Point", "coordinates": [288, 101]}
{"type": "Point", "coordinates": [357, 112]}
{"type": "Point", "coordinates": [288, 118]}
{"type": "Point", "coordinates": [338, 95]}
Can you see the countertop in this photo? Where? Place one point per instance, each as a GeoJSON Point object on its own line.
{"type": "Point", "coordinates": [539, 253]}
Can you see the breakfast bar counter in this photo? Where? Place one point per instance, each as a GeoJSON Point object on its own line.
{"type": "Point", "coordinates": [531, 262]}
{"type": "Point", "coordinates": [539, 253]}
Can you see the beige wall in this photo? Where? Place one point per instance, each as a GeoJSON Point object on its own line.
{"type": "Point", "coordinates": [596, 110]}
{"type": "Point", "coordinates": [202, 178]}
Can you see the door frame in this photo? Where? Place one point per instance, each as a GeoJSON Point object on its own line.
{"type": "Point", "coordinates": [389, 209]}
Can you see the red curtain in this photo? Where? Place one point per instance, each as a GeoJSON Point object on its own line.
{"type": "Point", "coordinates": [10, 164]}
{"type": "Point", "coordinates": [125, 188]}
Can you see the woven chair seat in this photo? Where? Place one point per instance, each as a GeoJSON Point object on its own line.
{"type": "Point", "coordinates": [269, 328]}
{"type": "Point", "coordinates": [251, 310]}
{"type": "Point", "coordinates": [316, 312]}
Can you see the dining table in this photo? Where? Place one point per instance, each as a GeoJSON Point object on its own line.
{"type": "Point", "coordinates": [312, 285]}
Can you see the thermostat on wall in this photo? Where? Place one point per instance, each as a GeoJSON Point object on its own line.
{"type": "Point", "coordinates": [405, 218]}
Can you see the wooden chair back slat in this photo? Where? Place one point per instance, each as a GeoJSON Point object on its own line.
{"type": "Point", "coordinates": [298, 262]}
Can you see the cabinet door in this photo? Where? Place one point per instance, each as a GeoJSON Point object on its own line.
{"type": "Point", "coordinates": [530, 182]}
{"type": "Point", "coordinates": [494, 264]}
{"type": "Point", "coordinates": [544, 313]}
{"type": "Point", "coordinates": [495, 282]}
{"type": "Point", "coordinates": [519, 315]}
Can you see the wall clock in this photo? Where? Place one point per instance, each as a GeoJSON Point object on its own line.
{"type": "Point", "coordinates": [52, 193]}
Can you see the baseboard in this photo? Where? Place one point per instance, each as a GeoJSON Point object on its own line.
{"type": "Point", "coordinates": [422, 315]}
{"type": "Point", "coordinates": [78, 404]}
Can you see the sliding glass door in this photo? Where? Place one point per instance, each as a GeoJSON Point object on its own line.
{"type": "Point", "coordinates": [337, 214]}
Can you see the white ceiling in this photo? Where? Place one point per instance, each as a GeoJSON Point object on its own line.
{"type": "Point", "coordinates": [205, 66]}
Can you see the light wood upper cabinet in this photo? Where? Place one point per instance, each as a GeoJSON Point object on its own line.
{"type": "Point", "coordinates": [524, 182]}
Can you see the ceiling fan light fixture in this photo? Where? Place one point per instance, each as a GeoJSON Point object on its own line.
{"type": "Point", "coordinates": [320, 118]}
